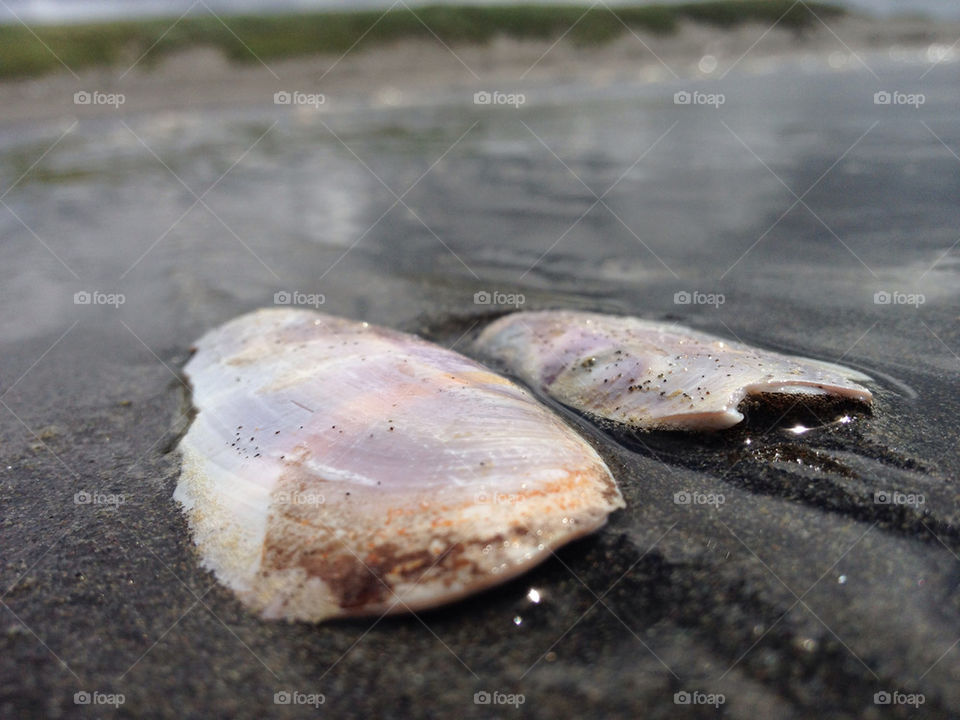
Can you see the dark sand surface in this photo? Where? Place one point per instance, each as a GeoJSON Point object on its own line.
{"type": "Point", "coordinates": [800, 596]}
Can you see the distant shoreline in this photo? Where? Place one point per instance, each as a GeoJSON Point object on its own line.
{"type": "Point", "coordinates": [34, 51]}
{"type": "Point", "coordinates": [402, 65]}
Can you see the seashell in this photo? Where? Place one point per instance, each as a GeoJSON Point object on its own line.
{"type": "Point", "coordinates": [646, 374]}
{"type": "Point", "coordinates": [335, 468]}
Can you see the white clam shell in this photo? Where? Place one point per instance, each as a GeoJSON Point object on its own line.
{"type": "Point", "coordinates": [336, 469]}
{"type": "Point", "coordinates": [648, 374]}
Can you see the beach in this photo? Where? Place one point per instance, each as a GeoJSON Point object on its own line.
{"type": "Point", "coordinates": [758, 167]}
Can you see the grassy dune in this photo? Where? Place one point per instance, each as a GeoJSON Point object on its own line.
{"type": "Point", "coordinates": [28, 52]}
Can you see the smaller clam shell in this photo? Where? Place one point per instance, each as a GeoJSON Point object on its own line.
{"type": "Point", "coordinates": [336, 469]}
{"type": "Point", "coordinates": [646, 374]}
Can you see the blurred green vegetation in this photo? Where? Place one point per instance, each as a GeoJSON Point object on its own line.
{"type": "Point", "coordinates": [26, 52]}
